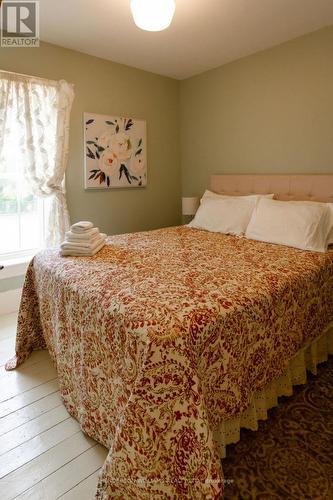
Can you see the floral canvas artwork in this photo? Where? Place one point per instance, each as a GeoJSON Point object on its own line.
{"type": "Point", "coordinates": [115, 152]}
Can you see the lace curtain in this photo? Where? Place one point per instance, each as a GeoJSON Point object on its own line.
{"type": "Point", "coordinates": [34, 131]}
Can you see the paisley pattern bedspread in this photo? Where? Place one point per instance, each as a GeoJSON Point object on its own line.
{"type": "Point", "coordinates": [161, 336]}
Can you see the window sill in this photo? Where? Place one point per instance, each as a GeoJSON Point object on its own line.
{"type": "Point", "coordinates": [14, 267]}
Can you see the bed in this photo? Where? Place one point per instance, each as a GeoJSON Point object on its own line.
{"type": "Point", "coordinates": [167, 342]}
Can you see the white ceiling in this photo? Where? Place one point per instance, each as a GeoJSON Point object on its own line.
{"type": "Point", "coordinates": [204, 33]}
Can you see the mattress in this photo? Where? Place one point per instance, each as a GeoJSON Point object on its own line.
{"type": "Point", "coordinates": [164, 335]}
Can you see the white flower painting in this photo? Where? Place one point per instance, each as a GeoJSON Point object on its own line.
{"type": "Point", "coordinates": [115, 152]}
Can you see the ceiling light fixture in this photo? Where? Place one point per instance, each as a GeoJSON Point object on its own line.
{"type": "Point", "coordinates": [153, 15]}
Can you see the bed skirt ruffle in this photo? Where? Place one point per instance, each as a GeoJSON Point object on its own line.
{"type": "Point", "coordinates": [306, 359]}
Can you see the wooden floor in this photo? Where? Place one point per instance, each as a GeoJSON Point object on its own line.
{"type": "Point", "coordinates": [43, 453]}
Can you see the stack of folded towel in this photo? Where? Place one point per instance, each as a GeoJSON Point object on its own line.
{"type": "Point", "coordinates": [83, 239]}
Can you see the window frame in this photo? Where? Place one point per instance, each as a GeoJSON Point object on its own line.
{"type": "Point", "coordinates": [26, 253]}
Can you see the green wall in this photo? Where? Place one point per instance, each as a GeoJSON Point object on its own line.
{"type": "Point", "coordinates": [105, 87]}
{"type": "Point", "coordinates": [271, 112]}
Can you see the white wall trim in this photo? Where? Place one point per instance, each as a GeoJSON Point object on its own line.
{"type": "Point", "coordinates": [10, 301]}
{"type": "Point", "coordinates": [14, 267]}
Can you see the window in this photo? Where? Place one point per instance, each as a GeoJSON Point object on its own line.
{"type": "Point", "coordinates": [34, 125]}
{"type": "Point", "coordinates": [22, 214]}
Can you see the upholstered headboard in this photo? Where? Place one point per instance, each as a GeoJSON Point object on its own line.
{"type": "Point", "coordinates": [286, 187]}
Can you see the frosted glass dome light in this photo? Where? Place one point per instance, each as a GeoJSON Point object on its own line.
{"type": "Point", "coordinates": [153, 15]}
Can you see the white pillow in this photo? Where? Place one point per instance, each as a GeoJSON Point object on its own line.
{"type": "Point", "coordinates": [292, 223]}
{"type": "Point", "coordinates": [211, 194]}
{"type": "Point", "coordinates": [229, 215]}
{"type": "Point", "coordinates": [330, 216]}
{"type": "Point", "coordinates": [330, 219]}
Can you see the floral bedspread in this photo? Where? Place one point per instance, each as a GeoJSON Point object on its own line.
{"type": "Point", "coordinates": [161, 336]}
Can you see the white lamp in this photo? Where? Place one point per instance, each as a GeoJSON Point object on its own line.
{"type": "Point", "coordinates": [153, 15]}
{"type": "Point", "coordinates": [190, 205]}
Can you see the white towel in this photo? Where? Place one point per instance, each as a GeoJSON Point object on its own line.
{"type": "Point", "coordinates": [82, 226]}
{"type": "Point", "coordinates": [83, 245]}
{"type": "Point", "coordinates": [83, 252]}
{"type": "Point", "coordinates": [87, 235]}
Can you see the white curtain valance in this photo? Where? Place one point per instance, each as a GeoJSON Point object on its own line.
{"type": "Point", "coordinates": [27, 78]}
{"type": "Point", "coordinates": [34, 130]}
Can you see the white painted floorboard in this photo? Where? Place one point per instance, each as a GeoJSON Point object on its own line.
{"type": "Point", "coordinates": [23, 415]}
{"type": "Point", "coordinates": [43, 453]}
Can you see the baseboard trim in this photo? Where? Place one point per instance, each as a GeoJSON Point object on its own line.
{"type": "Point", "coordinates": [10, 301]}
